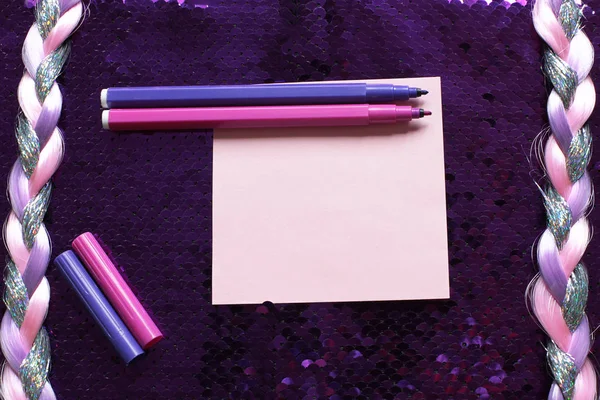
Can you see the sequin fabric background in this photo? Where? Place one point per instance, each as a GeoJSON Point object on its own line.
{"type": "Point", "coordinates": [149, 197]}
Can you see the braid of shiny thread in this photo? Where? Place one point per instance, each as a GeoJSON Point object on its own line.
{"type": "Point", "coordinates": [24, 340]}
{"type": "Point", "coordinates": [559, 293]}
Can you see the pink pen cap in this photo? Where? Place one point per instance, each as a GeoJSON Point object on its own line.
{"type": "Point", "coordinates": [116, 289]}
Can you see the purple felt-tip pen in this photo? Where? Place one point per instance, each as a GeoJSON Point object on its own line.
{"type": "Point", "coordinates": [101, 310]}
{"type": "Point", "coordinates": [257, 95]}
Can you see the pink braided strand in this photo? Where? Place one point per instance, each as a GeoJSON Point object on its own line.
{"type": "Point", "coordinates": [23, 339]}
{"type": "Point", "coordinates": [559, 294]}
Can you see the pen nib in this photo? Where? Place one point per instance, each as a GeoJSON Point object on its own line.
{"type": "Point", "coordinates": [421, 92]}
{"type": "Point", "coordinates": [423, 113]}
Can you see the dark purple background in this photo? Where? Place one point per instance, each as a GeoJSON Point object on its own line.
{"type": "Point", "coordinates": [149, 198]}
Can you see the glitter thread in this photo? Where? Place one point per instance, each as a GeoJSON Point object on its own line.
{"type": "Point", "coordinates": [15, 293]}
{"type": "Point", "coordinates": [563, 78]}
{"type": "Point", "coordinates": [29, 145]}
{"type": "Point", "coordinates": [580, 152]}
{"type": "Point", "coordinates": [573, 307]}
{"type": "Point", "coordinates": [34, 369]}
{"type": "Point", "coordinates": [559, 216]}
{"type": "Point", "coordinates": [563, 369]}
{"type": "Point", "coordinates": [34, 213]}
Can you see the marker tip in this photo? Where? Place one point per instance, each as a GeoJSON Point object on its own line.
{"type": "Point", "coordinates": [427, 113]}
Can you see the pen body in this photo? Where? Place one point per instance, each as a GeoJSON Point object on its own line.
{"type": "Point", "coordinates": [255, 95]}
{"type": "Point", "coordinates": [116, 289]}
{"type": "Point", "coordinates": [98, 306]}
{"type": "Point", "coordinates": [256, 117]}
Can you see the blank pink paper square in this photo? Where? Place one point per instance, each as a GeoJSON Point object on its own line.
{"type": "Point", "coordinates": [332, 214]}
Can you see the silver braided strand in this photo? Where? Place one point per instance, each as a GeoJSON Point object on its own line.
{"type": "Point", "coordinates": [34, 369]}
{"type": "Point", "coordinates": [563, 369]}
{"type": "Point", "coordinates": [560, 218]}
{"type": "Point", "coordinates": [20, 286]}
{"type": "Point", "coordinates": [558, 214]}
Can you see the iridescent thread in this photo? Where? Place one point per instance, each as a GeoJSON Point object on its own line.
{"type": "Point", "coordinates": [29, 145]}
{"type": "Point", "coordinates": [49, 70]}
{"type": "Point", "coordinates": [563, 78]}
{"type": "Point", "coordinates": [580, 152]}
{"type": "Point", "coordinates": [34, 369]}
{"type": "Point", "coordinates": [573, 307]}
{"type": "Point", "coordinates": [569, 16]}
{"type": "Point", "coordinates": [559, 216]}
{"type": "Point", "coordinates": [563, 369]}
{"type": "Point", "coordinates": [47, 13]}
{"type": "Point", "coordinates": [34, 213]}
{"type": "Point", "coordinates": [15, 293]}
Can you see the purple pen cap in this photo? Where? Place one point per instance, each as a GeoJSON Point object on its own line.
{"type": "Point", "coordinates": [95, 302]}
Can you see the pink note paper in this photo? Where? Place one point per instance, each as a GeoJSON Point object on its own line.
{"type": "Point", "coordinates": [332, 214]}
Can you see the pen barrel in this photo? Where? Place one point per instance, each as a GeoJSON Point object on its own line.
{"type": "Point", "coordinates": [236, 117]}
{"type": "Point", "coordinates": [237, 95]}
{"type": "Point", "coordinates": [116, 289]}
{"type": "Point", "coordinates": [94, 301]}
{"type": "Point", "coordinates": [255, 95]}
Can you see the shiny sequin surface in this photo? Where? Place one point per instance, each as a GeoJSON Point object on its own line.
{"type": "Point", "coordinates": [149, 197]}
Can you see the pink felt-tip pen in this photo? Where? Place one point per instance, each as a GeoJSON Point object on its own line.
{"type": "Point", "coordinates": [116, 289]}
{"type": "Point", "coordinates": [136, 119]}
